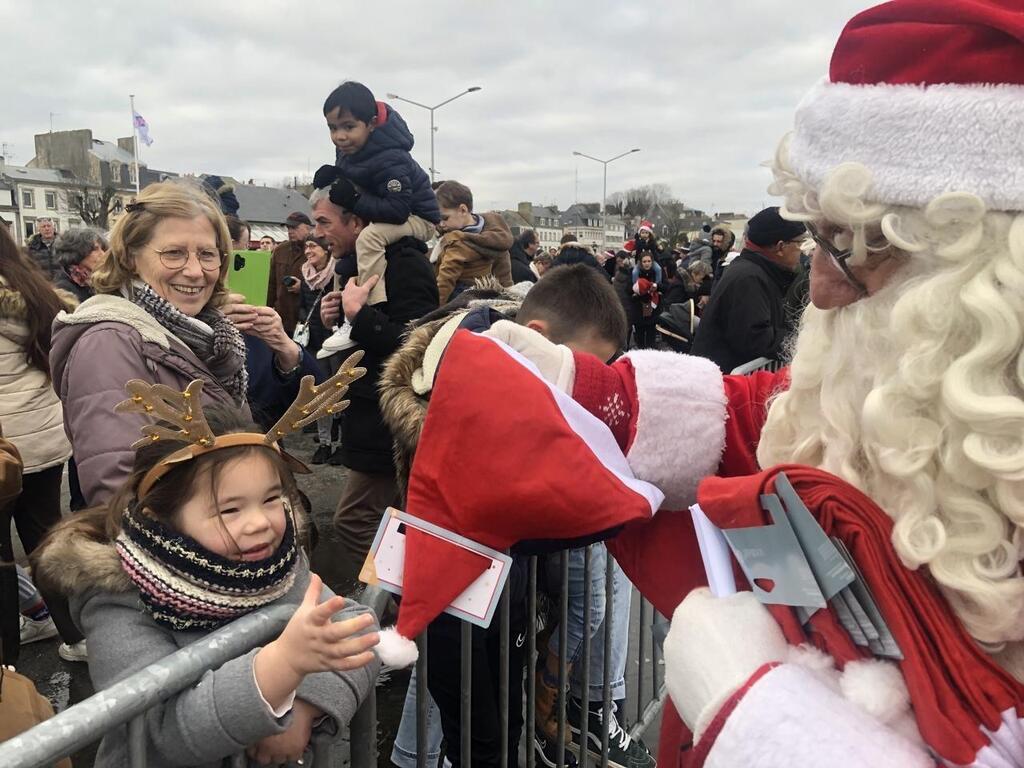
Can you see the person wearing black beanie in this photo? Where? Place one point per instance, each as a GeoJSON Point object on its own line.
{"type": "Point", "coordinates": [745, 317]}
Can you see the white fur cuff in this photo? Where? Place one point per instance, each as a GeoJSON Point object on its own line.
{"type": "Point", "coordinates": [789, 717]}
{"type": "Point", "coordinates": [917, 141]}
{"type": "Point", "coordinates": [680, 425]}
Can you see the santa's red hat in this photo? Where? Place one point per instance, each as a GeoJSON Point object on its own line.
{"type": "Point", "coordinates": [629, 246]}
{"type": "Point", "coordinates": [562, 476]}
{"type": "Point", "coordinates": [646, 226]}
{"type": "Point", "coordinates": [929, 96]}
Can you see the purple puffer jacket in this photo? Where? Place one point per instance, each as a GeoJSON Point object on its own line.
{"type": "Point", "coordinates": [107, 341]}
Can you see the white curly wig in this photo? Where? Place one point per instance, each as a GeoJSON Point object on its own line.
{"type": "Point", "coordinates": [916, 394]}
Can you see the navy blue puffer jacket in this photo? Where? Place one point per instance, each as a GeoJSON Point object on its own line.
{"type": "Point", "coordinates": [391, 183]}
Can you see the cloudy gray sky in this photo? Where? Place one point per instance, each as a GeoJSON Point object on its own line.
{"type": "Point", "coordinates": [705, 88]}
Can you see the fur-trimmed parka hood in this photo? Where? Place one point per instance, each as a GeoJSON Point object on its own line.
{"type": "Point", "coordinates": [13, 307]}
{"type": "Point", "coordinates": [73, 561]}
{"type": "Point", "coordinates": [402, 407]}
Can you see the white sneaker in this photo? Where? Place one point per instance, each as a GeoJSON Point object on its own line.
{"type": "Point", "coordinates": [32, 630]}
{"type": "Point", "coordinates": [341, 339]}
{"type": "Point", "coordinates": [75, 652]}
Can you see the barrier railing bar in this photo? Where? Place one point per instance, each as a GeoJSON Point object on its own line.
{"type": "Point", "coordinates": [609, 599]}
{"type": "Point", "coordinates": [137, 741]}
{"type": "Point", "coordinates": [641, 654]}
{"type": "Point", "coordinates": [584, 723]}
{"type": "Point", "coordinates": [563, 642]}
{"type": "Point", "coordinates": [422, 702]}
{"type": "Point", "coordinates": [363, 749]}
{"type": "Point", "coordinates": [531, 664]}
{"type": "Point", "coordinates": [503, 653]}
{"type": "Point", "coordinates": [467, 694]}
{"type": "Point", "coordinates": [649, 714]}
{"type": "Point", "coordinates": [84, 723]}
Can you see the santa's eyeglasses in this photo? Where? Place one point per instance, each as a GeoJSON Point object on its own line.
{"type": "Point", "coordinates": [839, 256]}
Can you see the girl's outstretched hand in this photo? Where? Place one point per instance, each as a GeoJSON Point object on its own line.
{"type": "Point", "coordinates": [314, 643]}
{"type": "Point", "coordinates": [311, 643]}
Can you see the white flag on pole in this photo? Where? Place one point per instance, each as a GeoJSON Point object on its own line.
{"type": "Point", "coordinates": [142, 127]}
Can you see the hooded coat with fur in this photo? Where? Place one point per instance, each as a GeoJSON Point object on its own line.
{"type": "Point", "coordinates": [224, 712]}
{"type": "Point", "coordinates": [402, 407]}
{"type": "Point", "coordinates": [464, 257]}
{"type": "Point", "coordinates": [30, 413]}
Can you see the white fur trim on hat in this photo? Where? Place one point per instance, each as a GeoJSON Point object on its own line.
{"type": "Point", "coordinates": [396, 651]}
{"type": "Point", "coordinates": [680, 425]}
{"type": "Point", "coordinates": [917, 141]}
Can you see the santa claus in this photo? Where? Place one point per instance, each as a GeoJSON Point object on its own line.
{"type": "Point", "coordinates": [900, 421]}
{"type": "Point", "coordinates": [907, 382]}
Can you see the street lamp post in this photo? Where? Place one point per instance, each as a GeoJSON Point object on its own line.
{"type": "Point", "coordinates": [431, 111]}
{"type": "Point", "coordinates": [604, 190]}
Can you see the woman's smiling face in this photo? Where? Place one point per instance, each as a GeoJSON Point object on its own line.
{"type": "Point", "coordinates": [188, 287]}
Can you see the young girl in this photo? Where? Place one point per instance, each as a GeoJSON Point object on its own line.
{"type": "Point", "coordinates": [169, 560]}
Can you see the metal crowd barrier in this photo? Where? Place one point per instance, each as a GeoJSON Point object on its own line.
{"type": "Point", "coordinates": [757, 364]}
{"type": "Point", "coordinates": [128, 700]}
{"type": "Point", "coordinates": [644, 672]}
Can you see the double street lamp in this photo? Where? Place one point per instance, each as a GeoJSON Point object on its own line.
{"type": "Point", "coordinates": [604, 190]}
{"type": "Point", "coordinates": [431, 110]}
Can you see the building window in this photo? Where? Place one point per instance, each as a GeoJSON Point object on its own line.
{"type": "Point", "coordinates": [72, 223]}
{"type": "Point", "coordinates": [51, 201]}
{"type": "Point", "coordinates": [28, 198]}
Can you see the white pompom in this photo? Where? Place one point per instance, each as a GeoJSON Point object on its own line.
{"type": "Point", "coordinates": [877, 687]}
{"type": "Point", "coordinates": [816, 661]}
{"type": "Point", "coordinates": [396, 651]}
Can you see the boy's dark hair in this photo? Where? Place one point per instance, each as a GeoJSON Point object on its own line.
{"type": "Point", "coordinates": [568, 237]}
{"type": "Point", "coordinates": [354, 98]}
{"type": "Point", "coordinates": [574, 300]}
{"type": "Point", "coordinates": [451, 194]}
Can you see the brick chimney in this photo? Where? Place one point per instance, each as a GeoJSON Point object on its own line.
{"type": "Point", "coordinates": [526, 211]}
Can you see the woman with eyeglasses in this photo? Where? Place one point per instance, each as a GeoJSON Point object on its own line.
{"type": "Point", "coordinates": [155, 317]}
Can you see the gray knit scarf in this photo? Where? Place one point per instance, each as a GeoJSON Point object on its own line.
{"type": "Point", "coordinates": [210, 336]}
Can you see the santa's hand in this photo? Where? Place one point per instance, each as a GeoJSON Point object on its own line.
{"type": "Point", "coordinates": [554, 361]}
{"type": "Point", "coordinates": [714, 646]}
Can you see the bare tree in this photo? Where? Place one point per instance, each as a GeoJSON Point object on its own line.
{"type": "Point", "coordinates": [94, 208]}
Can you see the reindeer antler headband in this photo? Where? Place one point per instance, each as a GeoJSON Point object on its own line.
{"type": "Point", "coordinates": [184, 410]}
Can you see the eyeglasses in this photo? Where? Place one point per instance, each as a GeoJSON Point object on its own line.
{"type": "Point", "coordinates": [840, 257]}
{"type": "Point", "coordinates": [210, 259]}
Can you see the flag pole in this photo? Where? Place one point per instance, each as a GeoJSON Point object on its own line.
{"type": "Point", "coordinates": [135, 140]}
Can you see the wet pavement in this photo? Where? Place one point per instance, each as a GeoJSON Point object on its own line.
{"type": "Point", "coordinates": [66, 683]}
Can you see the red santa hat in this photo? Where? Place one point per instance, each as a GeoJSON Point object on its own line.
{"type": "Point", "coordinates": [646, 226]}
{"type": "Point", "coordinates": [563, 476]}
{"type": "Point", "coordinates": [629, 246]}
{"type": "Point", "coordinates": [929, 96]}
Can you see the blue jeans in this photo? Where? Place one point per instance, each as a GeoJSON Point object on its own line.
{"type": "Point", "coordinates": [622, 592]}
{"type": "Point", "coordinates": [403, 753]}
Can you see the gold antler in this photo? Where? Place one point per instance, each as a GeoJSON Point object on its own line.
{"type": "Point", "coordinates": [317, 400]}
{"type": "Point", "coordinates": [182, 409]}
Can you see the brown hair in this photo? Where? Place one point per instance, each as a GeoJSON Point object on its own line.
{"type": "Point", "coordinates": [173, 490]}
{"type": "Point", "coordinates": [575, 300]}
{"type": "Point", "coordinates": [134, 230]}
{"type": "Point", "coordinates": [451, 194]}
{"type": "Point", "coordinates": [42, 303]}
